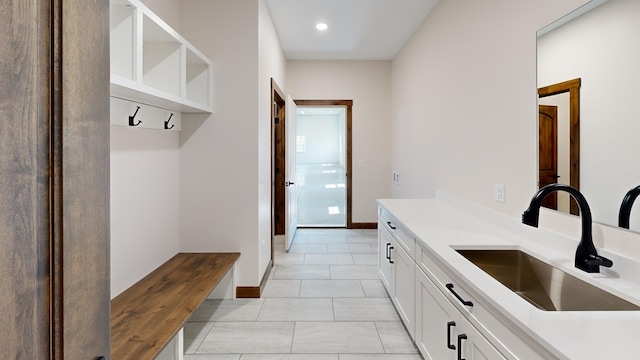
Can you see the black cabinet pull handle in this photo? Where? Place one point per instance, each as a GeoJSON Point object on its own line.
{"type": "Point", "coordinates": [460, 338]}
{"type": "Point", "coordinates": [450, 324]}
{"type": "Point", "coordinates": [464, 302]}
{"type": "Point", "coordinates": [390, 261]}
{"type": "Point", "coordinates": [390, 225]}
{"type": "Point", "coordinates": [388, 251]}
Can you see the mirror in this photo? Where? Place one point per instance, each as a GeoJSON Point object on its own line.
{"type": "Point", "coordinates": [598, 46]}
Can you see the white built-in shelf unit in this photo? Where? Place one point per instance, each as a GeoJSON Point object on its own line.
{"type": "Point", "coordinates": [152, 64]}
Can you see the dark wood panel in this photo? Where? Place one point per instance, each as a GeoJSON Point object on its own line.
{"type": "Point", "coordinates": [364, 225]}
{"type": "Point", "coordinates": [81, 178]}
{"type": "Point", "coordinates": [24, 179]}
{"type": "Point", "coordinates": [248, 292]}
{"type": "Point", "coordinates": [145, 317]}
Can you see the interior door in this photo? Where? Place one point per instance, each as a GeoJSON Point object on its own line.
{"type": "Point", "coordinates": [291, 193]}
{"type": "Point", "coordinates": [548, 151]}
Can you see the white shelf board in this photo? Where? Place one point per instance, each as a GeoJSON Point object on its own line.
{"type": "Point", "coordinates": [127, 89]}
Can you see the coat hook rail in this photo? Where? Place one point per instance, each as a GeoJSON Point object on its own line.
{"type": "Point", "coordinates": [132, 118]}
{"type": "Point", "coordinates": [166, 123]}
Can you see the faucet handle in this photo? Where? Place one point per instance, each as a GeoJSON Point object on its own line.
{"type": "Point", "coordinates": [598, 260]}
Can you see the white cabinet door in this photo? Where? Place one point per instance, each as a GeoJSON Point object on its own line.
{"type": "Point", "coordinates": [442, 333]}
{"type": "Point", "coordinates": [385, 267]}
{"type": "Point", "coordinates": [435, 321]}
{"type": "Point", "coordinates": [405, 285]}
{"type": "Point", "coordinates": [474, 346]}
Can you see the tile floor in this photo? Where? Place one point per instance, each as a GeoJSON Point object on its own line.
{"type": "Point", "coordinates": [323, 301]}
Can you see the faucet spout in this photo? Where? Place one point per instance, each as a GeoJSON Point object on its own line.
{"type": "Point", "coordinates": [625, 207]}
{"type": "Point", "coordinates": [586, 258]}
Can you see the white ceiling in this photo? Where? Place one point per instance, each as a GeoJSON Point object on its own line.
{"type": "Point", "coordinates": [358, 29]}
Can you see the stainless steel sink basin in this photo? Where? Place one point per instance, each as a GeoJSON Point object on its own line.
{"type": "Point", "coordinates": [543, 285]}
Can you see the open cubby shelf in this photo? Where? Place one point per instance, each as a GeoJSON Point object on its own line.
{"type": "Point", "coordinates": [151, 63]}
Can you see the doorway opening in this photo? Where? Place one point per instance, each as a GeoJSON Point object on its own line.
{"type": "Point", "coordinates": [321, 161]}
{"type": "Point", "coordinates": [323, 147]}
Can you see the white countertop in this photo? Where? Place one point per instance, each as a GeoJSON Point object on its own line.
{"type": "Point", "coordinates": [442, 227]}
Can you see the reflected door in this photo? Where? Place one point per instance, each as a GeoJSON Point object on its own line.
{"type": "Point", "coordinates": [548, 151]}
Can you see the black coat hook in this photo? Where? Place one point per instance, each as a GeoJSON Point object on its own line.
{"type": "Point", "coordinates": [132, 118]}
{"type": "Point", "coordinates": [166, 123]}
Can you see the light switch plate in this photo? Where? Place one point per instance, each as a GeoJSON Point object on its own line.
{"type": "Point", "coordinates": [500, 193]}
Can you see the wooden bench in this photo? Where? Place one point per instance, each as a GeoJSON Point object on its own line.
{"type": "Point", "coordinates": [151, 313]}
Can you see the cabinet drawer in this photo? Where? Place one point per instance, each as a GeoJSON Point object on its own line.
{"type": "Point", "coordinates": [455, 292]}
{"type": "Point", "coordinates": [400, 233]}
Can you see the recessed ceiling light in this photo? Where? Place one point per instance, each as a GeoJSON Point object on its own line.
{"type": "Point", "coordinates": [322, 26]}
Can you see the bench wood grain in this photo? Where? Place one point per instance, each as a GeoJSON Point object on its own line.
{"type": "Point", "coordinates": [146, 316]}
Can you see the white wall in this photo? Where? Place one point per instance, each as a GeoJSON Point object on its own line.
{"type": "Point", "coordinates": [145, 166]}
{"type": "Point", "coordinates": [464, 113]}
{"type": "Point", "coordinates": [368, 84]}
{"type": "Point", "coordinates": [598, 49]}
{"type": "Point", "coordinates": [144, 202]}
{"type": "Point", "coordinates": [225, 158]}
{"type": "Point", "coordinates": [218, 177]}
{"type": "Point", "coordinates": [271, 64]}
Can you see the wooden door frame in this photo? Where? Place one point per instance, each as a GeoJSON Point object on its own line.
{"type": "Point", "coordinates": [573, 88]}
{"type": "Point", "coordinates": [278, 156]}
{"type": "Point", "coordinates": [348, 104]}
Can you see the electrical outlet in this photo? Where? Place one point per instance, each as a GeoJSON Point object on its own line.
{"type": "Point", "coordinates": [500, 193]}
{"type": "Point", "coordinates": [396, 178]}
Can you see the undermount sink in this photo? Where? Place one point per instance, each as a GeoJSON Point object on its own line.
{"type": "Point", "coordinates": [542, 285]}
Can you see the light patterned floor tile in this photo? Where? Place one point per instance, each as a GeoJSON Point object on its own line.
{"type": "Point", "coordinates": [326, 239]}
{"type": "Point", "coordinates": [374, 289]}
{"type": "Point", "coordinates": [293, 272]}
{"type": "Point", "coordinates": [228, 310]}
{"type": "Point", "coordinates": [281, 288]}
{"type": "Point", "coordinates": [331, 288]}
{"type": "Point", "coordinates": [365, 259]}
{"type": "Point", "coordinates": [367, 309]}
{"type": "Point", "coordinates": [296, 309]}
{"type": "Point", "coordinates": [381, 357]}
{"type": "Point", "coordinates": [213, 357]}
{"type": "Point", "coordinates": [349, 249]}
{"type": "Point", "coordinates": [308, 249]}
{"type": "Point", "coordinates": [360, 272]}
{"type": "Point", "coordinates": [328, 259]}
{"type": "Point", "coordinates": [289, 357]}
{"type": "Point", "coordinates": [336, 338]}
{"type": "Point", "coordinates": [395, 338]}
{"type": "Point", "coordinates": [194, 333]}
{"type": "Point", "coordinates": [248, 337]}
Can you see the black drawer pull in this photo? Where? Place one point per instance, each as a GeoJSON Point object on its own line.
{"type": "Point", "coordinates": [464, 302]}
{"type": "Point", "coordinates": [390, 225]}
{"type": "Point", "coordinates": [460, 338]}
{"type": "Point", "coordinates": [450, 324]}
{"type": "Point", "coordinates": [390, 261]}
{"type": "Point", "coordinates": [388, 251]}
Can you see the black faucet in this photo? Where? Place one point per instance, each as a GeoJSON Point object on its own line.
{"type": "Point", "coordinates": [625, 207]}
{"type": "Point", "coordinates": [587, 258]}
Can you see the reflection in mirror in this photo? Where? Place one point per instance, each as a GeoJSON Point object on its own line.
{"type": "Point", "coordinates": [559, 141]}
{"type": "Point", "coordinates": [600, 47]}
